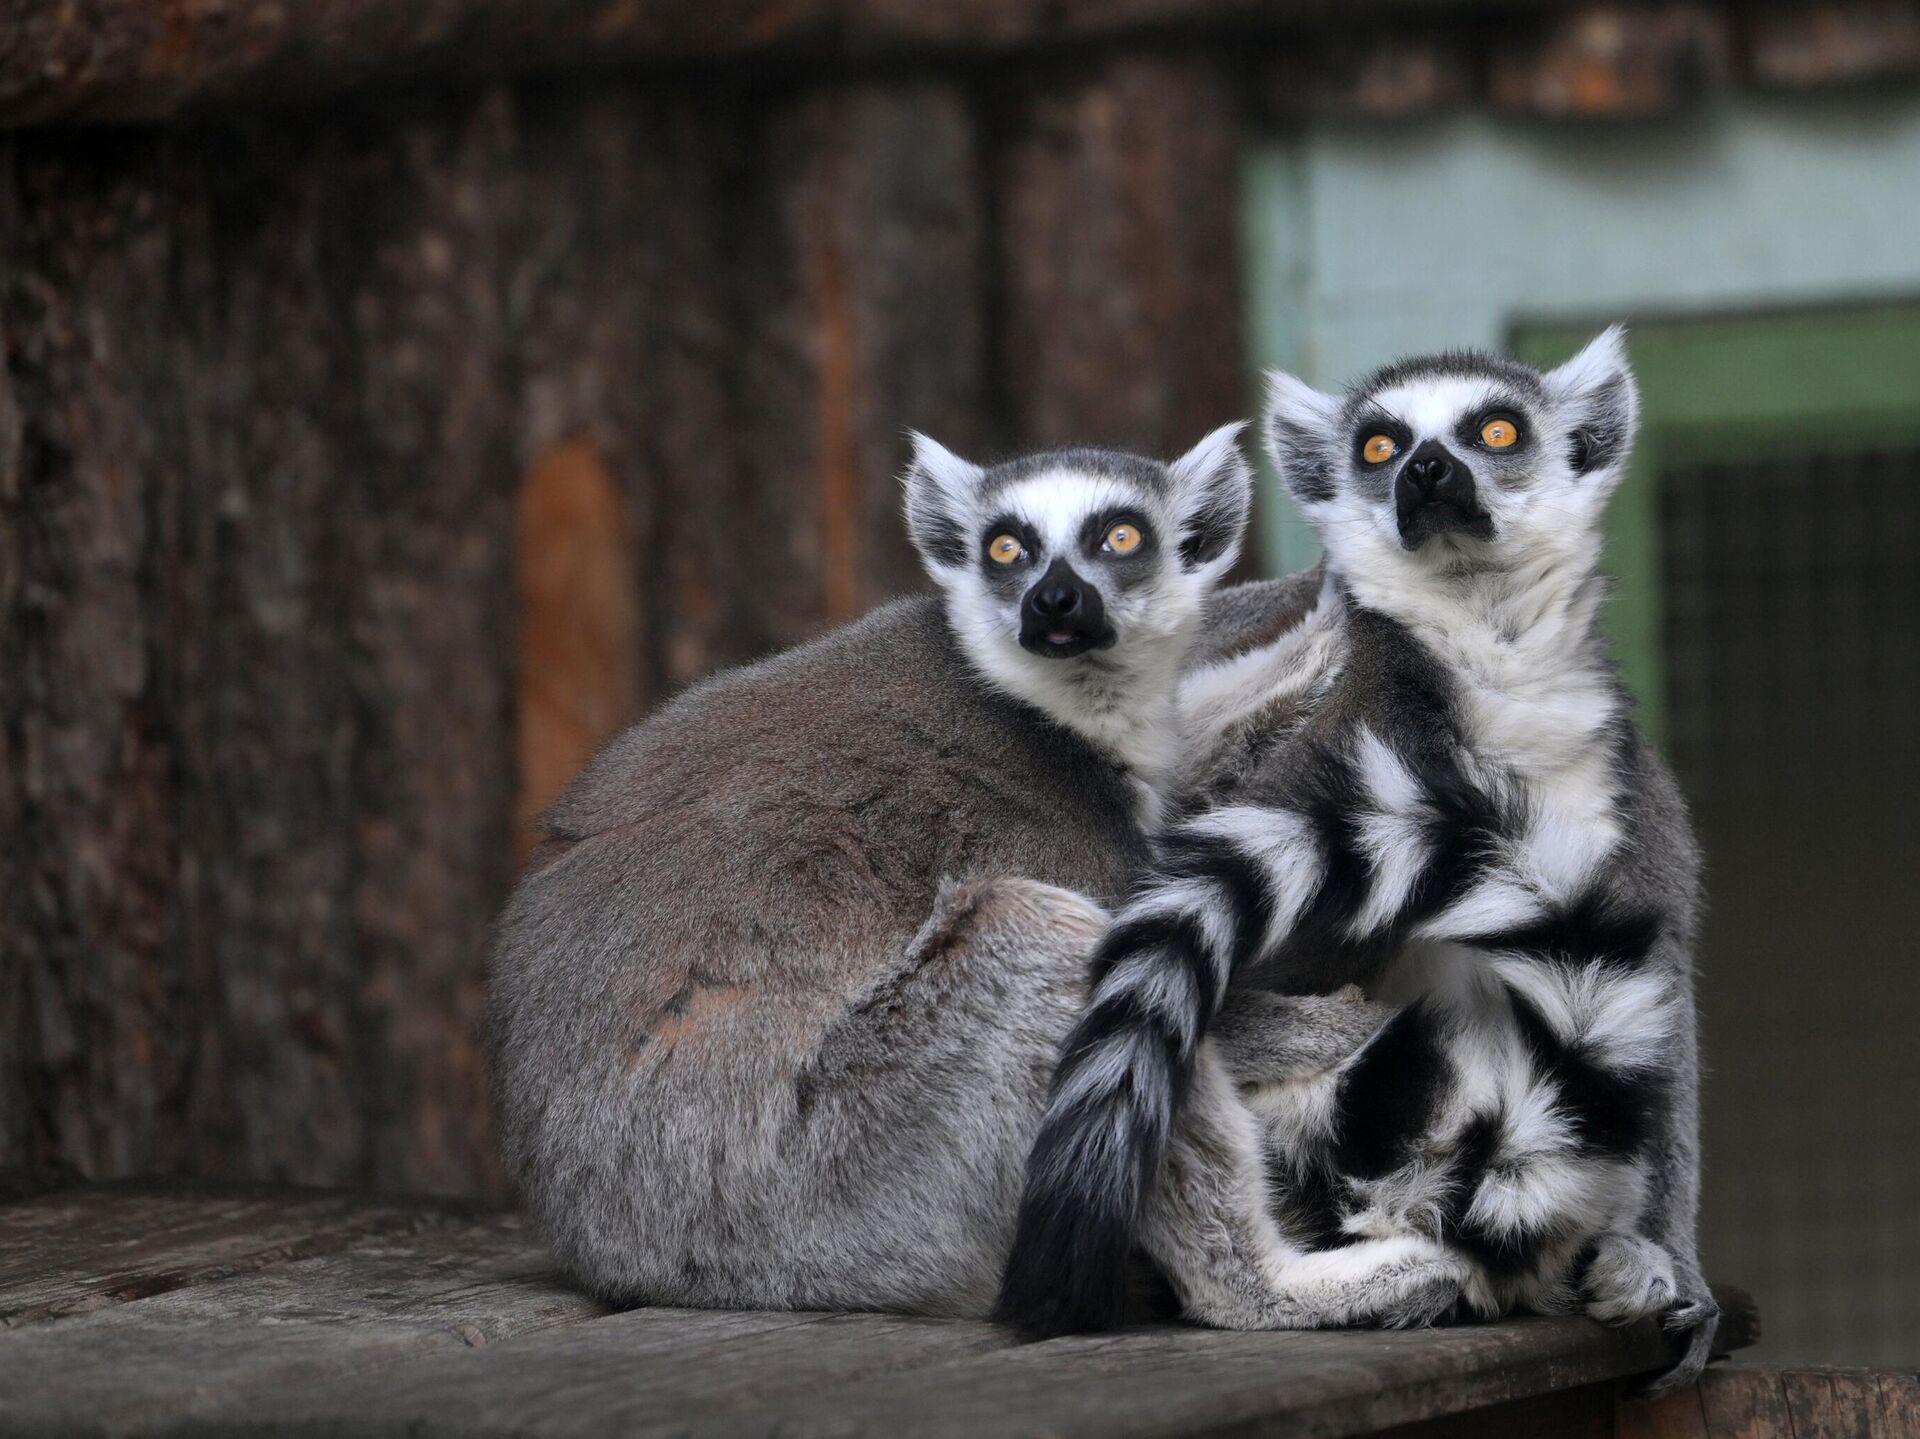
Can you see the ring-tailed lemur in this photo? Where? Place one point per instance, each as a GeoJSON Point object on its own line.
{"type": "Point", "coordinates": [773, 1013]}
{"type": "Point", "coordinates": [1433, 784]}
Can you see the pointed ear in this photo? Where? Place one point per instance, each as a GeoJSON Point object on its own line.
{"type": "Point", "coordinates": [941, 488]}
{"type": "Point", "coordinates": [1213, 496]}
{"type": "Point", "coordinates": [1596, 393]}
{"type": "Point", "coordinates": [1302, 435]}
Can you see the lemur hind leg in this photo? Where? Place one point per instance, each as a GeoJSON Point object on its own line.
{"type": "Point", "coordinates": [1627, 1277]}
{"type": "Point", "coordinates": [1207, 1223]}
{"type": "Point", "coordinates": [924, 1096]}
{"type": "Point", "coordinates": [1267, 1038]}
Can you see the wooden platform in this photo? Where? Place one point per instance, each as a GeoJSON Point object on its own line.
{"type": "Point", "coordinates": [137, 1309]}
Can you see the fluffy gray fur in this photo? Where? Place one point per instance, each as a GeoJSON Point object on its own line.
{"type": "Point", "coordinates": [774, 1012]}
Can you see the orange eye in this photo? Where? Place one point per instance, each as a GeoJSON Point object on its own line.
{"type": "Point", "coordinates": [1123, 539]}
{"type": "Point", "coordinates": [1379, 449]}
{"type": "Point", "coordinates": [1005, 549]}
{"type": "Point", "coordinates": [1498, 434]}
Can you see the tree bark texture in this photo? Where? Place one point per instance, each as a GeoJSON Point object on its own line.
{"type": "Point", "coordinates": [338, 448]}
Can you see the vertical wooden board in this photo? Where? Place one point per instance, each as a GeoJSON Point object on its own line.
{"type": "Point", "coordinates": [254, 663]}
{"type": "Point", "coordinates": [790, 483]}
{"type": "Point", "coordinates": [860, 305]}
{"type": "Point", "coordinates": [1672, 1416]}
{"type": "Point", "coordinates": [14, 1130]}
{"type": "Point", "coordinates": [1855, 1404]}
{"type": "Point", "coordinates": [580, 648]}
{"type": "Point", "coordinates": [1744, 1402]}
{"type": "Point", "coordinates": [1118, 199]}
{"type": "Point", "coordinates": [87, 963]}
{"type": "Point", "coordinates": [1899, 1411]}
{"type": "Point", "coordinates": [904, 297]}
{"type": "Point", "coordinates": [691, 480]}
{"type": "Point", "coordinates": [1810, 1406]}
{"type": "Point", "coordinates": [579, 197]}
{"type": "Point", "coordinates": [430, 483]}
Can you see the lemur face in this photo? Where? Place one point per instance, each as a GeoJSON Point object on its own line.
{"type": "Point", "coordinates": [1458, 462]}
{"type": "Point", "coordinates": [1073, 556]}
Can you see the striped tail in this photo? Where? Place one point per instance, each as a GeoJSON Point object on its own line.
{"type": "Point", "coordinates": [1160, 977]}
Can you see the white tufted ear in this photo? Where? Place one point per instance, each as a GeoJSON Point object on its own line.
{"type": "Point", "coordinates": [1596, 394]}
{"type": "Point", "coordinates": [1213, 498]}
{"type": "Point", "coordinates": [940, 492]}
{"type": "Point", "coordinates": [1301, 430]}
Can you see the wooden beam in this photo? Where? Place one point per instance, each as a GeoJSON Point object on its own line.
{"type": "Point", "coordinates": [1608, 60]}
{"type": "Point", "coordinates": [124, 60]}
{"type": "Point", "coordinates": [1367, 73]}
{"type": "Point", "coordinates": [1829, 41]}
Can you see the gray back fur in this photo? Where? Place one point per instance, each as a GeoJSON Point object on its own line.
{"type": "Point", "coordinates": [706, 1086]}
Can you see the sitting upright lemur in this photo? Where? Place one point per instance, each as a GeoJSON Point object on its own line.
{"type": "Point", "coordinates": [774, 1012]}
{"type": "Point", "coordinates": [1432, 785]}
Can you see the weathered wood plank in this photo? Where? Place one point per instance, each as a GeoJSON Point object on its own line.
{"type": "Point", "coordinates": [276, 383]}
{"type": "Point", "coordinates": [1854, 1403]}
{"type": "Point", "coordinates": [87, 967]}
{"type": "Point", "coordinates": [1672, 1416]}
{"type": "Point", "coordinates": [640, 1373]}
{"type": "Point", "coordinates": [1371, 74]}
{"type": "Point", "coordinates": [1744, 1402]}
{"type": "Point", "coordinates": [122, 59]}
{"type": "Point", "coordinates": [861, 283]}
{"type": "Point", "coordinates": [1609, 59]}
{"type": "Point", "coordinates": [1899, 1411]}
{"type": "Point", "coordinates": [1322, 1383]}
{"type": "Point", "coordinates": [432, 479]}
{"type": "Point", "coordinates": [322, 1314]}
{"type": "Point", "coordinates": [241, 1343]}
{"type": "Point", "coordinates": [250, 574]}
{"type": "Point", "coordinates": [1825, 41]}
{"type": "Point", "coordinates": [1118, 186]}
{"type": "Point", "coordinates": [78, 1250]}
{"type": "Point", "coordinates": [1809, 1401]}
{"type": "Point", "coordinates": [1585, 1412]}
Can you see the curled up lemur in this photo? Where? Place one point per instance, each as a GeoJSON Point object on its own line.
{"type": "Point", "coordinates": [775, 1009]}
{"type": "Point", "coordinates": [1432, 785]}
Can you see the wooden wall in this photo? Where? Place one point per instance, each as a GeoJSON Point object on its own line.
{"type": "Point", "coordinates": [389, 410]}
{"type": "Point", "coordinates": [285, 394]}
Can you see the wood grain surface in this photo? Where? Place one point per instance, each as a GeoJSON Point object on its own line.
{"type": "Point", "coordinates": [142, 1309]}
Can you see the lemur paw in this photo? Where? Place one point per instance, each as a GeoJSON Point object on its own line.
{"type": "Point", "coordinates": [1384, 1283]}
{"type": "Point", "coordinates": [1630, 1278]}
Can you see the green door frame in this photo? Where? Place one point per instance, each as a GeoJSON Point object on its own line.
{"type": "Point", "coordinates": [1842, 380]}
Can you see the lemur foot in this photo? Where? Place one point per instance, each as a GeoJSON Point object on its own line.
{"type": "Point", "coordinates": [1381, 1283]}
{"type": "Point", "coordinates": [1630, 1278]}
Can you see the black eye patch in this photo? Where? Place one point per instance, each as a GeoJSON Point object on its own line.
{"type": "Point", "coordinates": [1096, 527]}
{"type": "Point", "coordinates": [1379, 422]}
{"type": "Point", "coordinates": [1473, 429]}
{"type": "Point", "coordinates": [1014, 575]}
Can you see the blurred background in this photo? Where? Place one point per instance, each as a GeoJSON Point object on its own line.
{"type": "Point", "coordinates": [397, 400]}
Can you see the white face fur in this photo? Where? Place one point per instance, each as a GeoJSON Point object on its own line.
{"type": "Point", "coordinates": [1459, 466]}
{"type": "Point", "coordinates": [1074, 579]}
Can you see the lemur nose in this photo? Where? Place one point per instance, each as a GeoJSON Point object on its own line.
{"type": "Point", "coordinates": [1056, 601]}
{"type": "Point", "coordinates": [1429, 472]}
